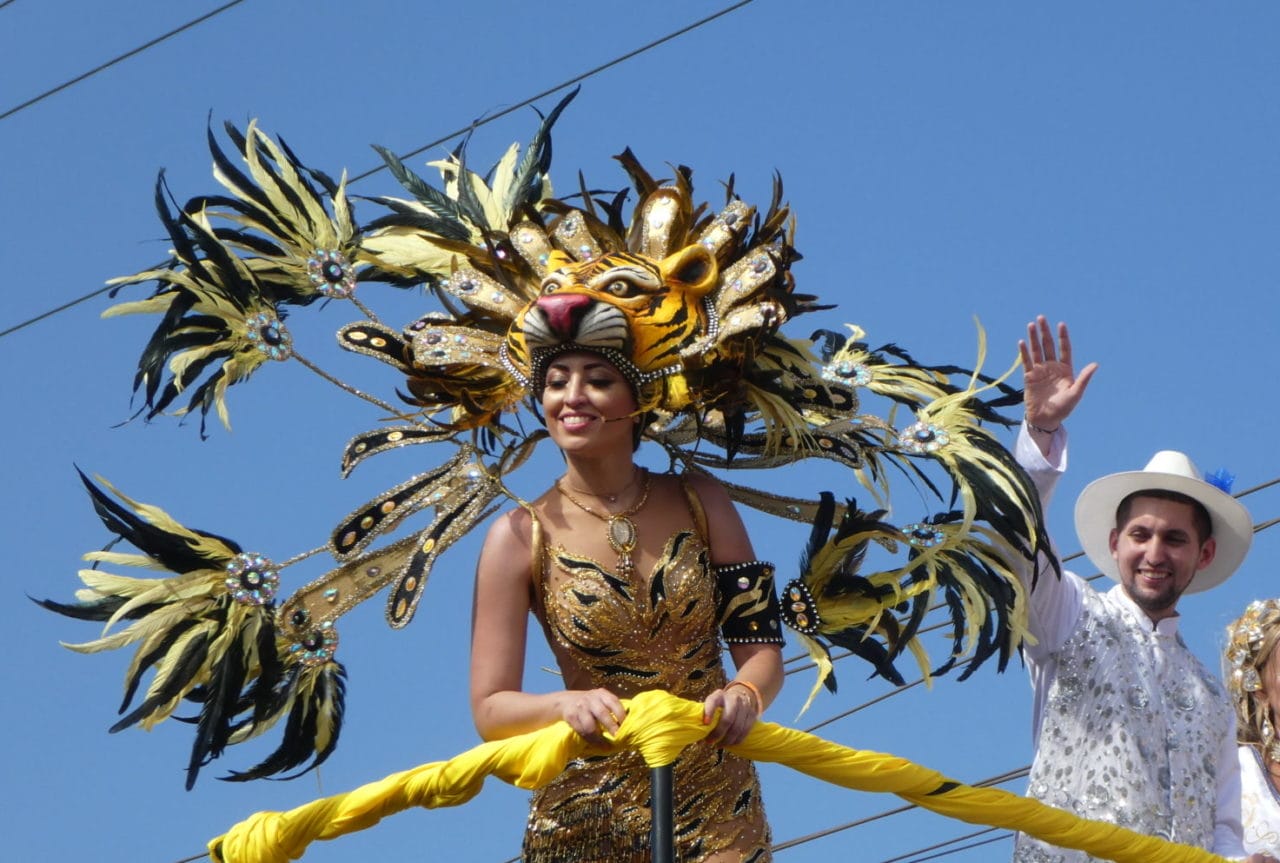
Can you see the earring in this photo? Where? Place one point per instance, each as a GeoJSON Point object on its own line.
{"type": "Point", "coordinates": [1270, 746]}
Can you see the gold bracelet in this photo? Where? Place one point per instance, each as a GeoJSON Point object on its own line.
{"type": "Point", "coordinates": [753, 689]}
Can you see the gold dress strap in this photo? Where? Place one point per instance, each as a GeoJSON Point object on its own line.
{"type": "Point", "coordinates": [696, 509]}
{"type": "Point", "coordinates": [537, 557]}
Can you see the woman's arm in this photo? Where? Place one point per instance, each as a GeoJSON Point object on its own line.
{"type": "Point", "coordinates": [499, 629]}
{"type": "Point", "coordinates": [759, 665]}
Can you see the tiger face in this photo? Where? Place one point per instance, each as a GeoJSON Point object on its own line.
{"type": "Point", "coordinates": [637, 312]}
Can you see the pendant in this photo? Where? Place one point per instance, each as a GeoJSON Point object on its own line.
{"type": "Point", "coordinates": [622, 539]}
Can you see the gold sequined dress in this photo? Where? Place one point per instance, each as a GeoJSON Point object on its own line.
{"type": "Point", "coordinates": [629, 636]}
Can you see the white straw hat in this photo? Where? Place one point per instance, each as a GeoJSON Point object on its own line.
{"type": "Point", "coordinates": [1168, 470]}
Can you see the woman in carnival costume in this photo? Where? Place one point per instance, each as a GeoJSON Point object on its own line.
{"type": "Point", "coordinates": [631, 575]}
{"type": "Point", "coordinates": [1252, 672]}
{"type": "Point", "coordinates": [663, 323]}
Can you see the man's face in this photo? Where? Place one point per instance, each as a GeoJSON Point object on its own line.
{"type": "Point", "coordinates": [1158, 552]}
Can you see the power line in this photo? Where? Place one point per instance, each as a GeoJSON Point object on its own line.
{"type": "Point", "coordinates": [959, 848]}
{"type": "Point", "coordinates": [574, 80]}
{"type": "Point", "coordinates": [52, 312]}
{"type": "Point", "coordinates": [475, 125]}
{"type": "Point", "coordinates": [989, 782]}
{"type": "Point", "coordinates": [125, 56]}
{"type": "Point", "coordinates": [941, 845]}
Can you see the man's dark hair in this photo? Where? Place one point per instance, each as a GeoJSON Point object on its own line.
{"type": "Point", "coordinates": [1199, 515]}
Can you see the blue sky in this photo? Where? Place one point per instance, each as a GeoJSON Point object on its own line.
{"type": "Point", "coordinates": [1116, 165]}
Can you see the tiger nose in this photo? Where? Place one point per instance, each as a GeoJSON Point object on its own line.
{"type": "Point", "coordinates": [559, 310]}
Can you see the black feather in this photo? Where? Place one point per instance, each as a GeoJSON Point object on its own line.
{"type": "Point", "coordinates": [146, 662]}
{"type": "Point", "coordinates": [298, 742]}
{"type": "Point", "coordinates": [184, 671]}
{"type": "Point", "coordinates": [444, 207]}
{"type": "Point", "coordinates": [172, 552]}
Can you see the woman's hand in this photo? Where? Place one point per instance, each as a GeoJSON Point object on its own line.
{"type": "Point", "coordinates": [592, 713]}
{"type": "Point", "coordinates": [739, 712]}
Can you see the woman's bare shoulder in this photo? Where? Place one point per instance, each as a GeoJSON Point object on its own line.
{"type": "Point", "coordinates": [510, 531]}
{"type": "Point", "coordinates": [710, 490]}
{"type": "Point", "coordinates": [728, 535]}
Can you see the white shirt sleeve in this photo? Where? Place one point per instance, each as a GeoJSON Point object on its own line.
{"type": "Point", "coordinates": [1054, 608]}
{"type": "Point", "coordinates": [1228, 829]}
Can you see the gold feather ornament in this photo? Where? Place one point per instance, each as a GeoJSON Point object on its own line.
{"type": "Point", "coordinates": [688, 300]}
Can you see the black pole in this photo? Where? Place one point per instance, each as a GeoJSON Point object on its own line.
{"type": "Point", "coordinates": [662, 829]}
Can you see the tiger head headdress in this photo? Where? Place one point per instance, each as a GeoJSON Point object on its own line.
{"type": "Point", "coordinates": [643, 315]}
{"type": "Point", "coordinates": [681, 300]}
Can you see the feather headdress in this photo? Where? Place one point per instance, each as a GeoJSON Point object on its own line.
{"type": "Point", "coordinates": [689, 301]}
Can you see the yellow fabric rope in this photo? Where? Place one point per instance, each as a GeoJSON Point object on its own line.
{"type": "Point", "coordinates": [660, 725]}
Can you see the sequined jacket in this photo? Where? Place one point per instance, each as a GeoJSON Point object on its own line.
{"type": "Point", "coordinates": [1130, 726]}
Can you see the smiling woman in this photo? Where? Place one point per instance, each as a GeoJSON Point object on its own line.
{"type": "Point", "coordinates": [634, 578]}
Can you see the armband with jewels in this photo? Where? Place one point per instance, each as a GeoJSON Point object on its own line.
{"type": "Point", "coordinates": [748, 604]}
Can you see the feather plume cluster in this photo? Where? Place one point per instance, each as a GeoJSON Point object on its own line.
{"type": "Point", "coordinates": [206, 634]}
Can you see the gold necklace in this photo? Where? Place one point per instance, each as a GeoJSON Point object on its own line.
{"type": "Point", "coordinates": [611, 498]}
{"type": "Point", "coordinates": [620, 530]}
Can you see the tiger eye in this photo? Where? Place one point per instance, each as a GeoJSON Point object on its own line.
{"type": "Point", "coordinates": [619, 289]}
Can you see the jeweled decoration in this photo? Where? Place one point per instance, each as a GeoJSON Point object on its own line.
{"type": "Point", "coordinates": [317, 646]}
{"type": "Point", "coordinates": [923, 535]}
{"type": "Point", "coordinates": [620, 530]}
{"type": "Point", "coordinates": [847, 373]}
{"type": "Point", "coordinates": [331, 274]}
{"type": "Point", "coordinates": [923, 438]}
{"type": "Point", "coordinates": [798, 608]}
{"type": "Point", "coordinates": [268, 335]}
{"type": "Point", "coordinates": [252, 579]}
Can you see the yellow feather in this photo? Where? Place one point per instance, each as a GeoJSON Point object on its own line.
{"type": "Point", "coordinates": [823, 663]}
{"type": "Point", "coordinates": [155, 305]}
{"type": "Point", "coordinates": [406, 251]}
{"type": "Point", "coordinates": [165, 668]}
{"type": "Point", "coordinates": [503, 174]}
{"type": "Point", "coordinates": [120, 558]}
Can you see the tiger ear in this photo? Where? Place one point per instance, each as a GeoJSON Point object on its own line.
{"type": "Point", "coordinates": [693, 269]}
